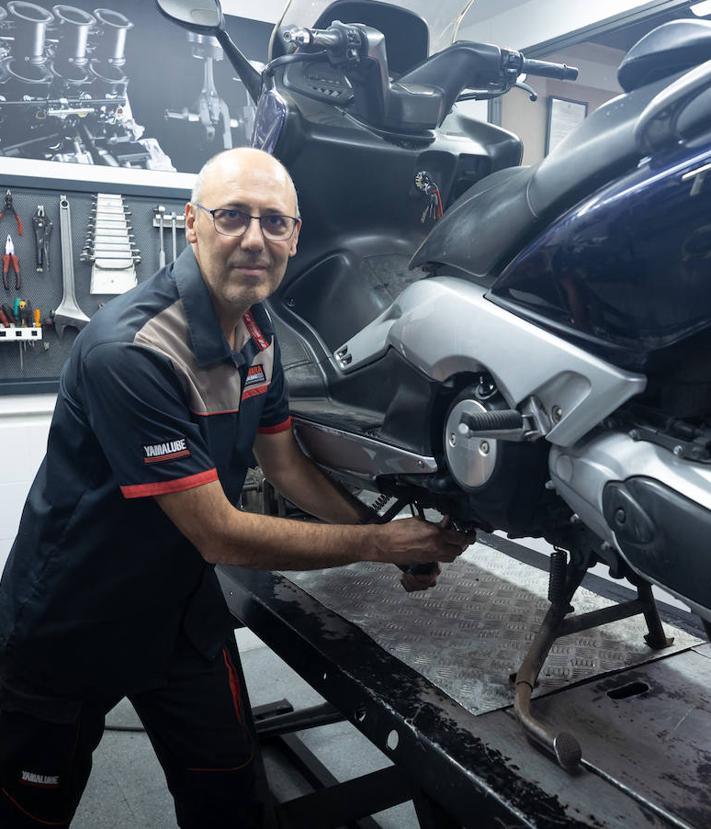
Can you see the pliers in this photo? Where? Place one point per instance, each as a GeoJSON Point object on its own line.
{"type": "Point", "coordinates": [8, 259]}
{"type": "Point", "coordinates": [42, 227]}
{"type": "Point", "coordinates": [9, 208]}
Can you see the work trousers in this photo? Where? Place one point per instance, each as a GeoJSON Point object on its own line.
{"type": "Point", "coordinates": [197, 725]}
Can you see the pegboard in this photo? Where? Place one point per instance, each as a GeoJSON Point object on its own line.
{"type": "Point", "coordinates": [43, 364]}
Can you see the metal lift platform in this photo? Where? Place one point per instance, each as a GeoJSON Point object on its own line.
{"type": "Point", "coordinates": [645, 730]}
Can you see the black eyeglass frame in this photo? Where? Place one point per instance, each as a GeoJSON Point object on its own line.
{"type": "Point", "coordinates": [295, 219]}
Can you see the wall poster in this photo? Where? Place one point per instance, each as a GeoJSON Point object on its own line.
{"type": "Point", "coordinates": [563, 117]}
{"type": "Point", "coordinates": [118, 87]}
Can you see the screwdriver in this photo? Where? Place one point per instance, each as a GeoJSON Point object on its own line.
{"type": "Point", "coordinates": [13, 315]}
{"type": "Point", "coordinates": [9, 314]}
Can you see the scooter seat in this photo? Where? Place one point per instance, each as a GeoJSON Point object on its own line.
{"type": "Point", "coordinates": [502, 212]}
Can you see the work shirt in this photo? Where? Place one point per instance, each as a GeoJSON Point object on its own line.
{"type": "Point", "coordinates": [100, 583]}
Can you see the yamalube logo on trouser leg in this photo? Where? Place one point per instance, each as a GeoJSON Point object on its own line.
{"type": "Point", "coordinates": [167, 451]}
{"type": "Point", "coordinates": [33, 779]}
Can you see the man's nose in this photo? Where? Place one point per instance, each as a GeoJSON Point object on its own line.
{"type": "Point", "coordinates": [253, 238]}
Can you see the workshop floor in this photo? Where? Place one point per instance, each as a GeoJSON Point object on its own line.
{"type": "Point", "coordinates": [127, 788]}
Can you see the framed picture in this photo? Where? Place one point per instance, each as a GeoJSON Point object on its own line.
{"type": "Point", "coordinates": [118, 94]}
{"type": "Point", "coordinates": [564, 116]}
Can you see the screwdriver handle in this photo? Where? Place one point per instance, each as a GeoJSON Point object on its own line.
{"type": "Point", "coordinates": [37, 318]}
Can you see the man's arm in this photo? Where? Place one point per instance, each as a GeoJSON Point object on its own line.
{"type": "Point", "coordinates": [299, 480]}
{"type": "Point", "coordinates": [226, 535]}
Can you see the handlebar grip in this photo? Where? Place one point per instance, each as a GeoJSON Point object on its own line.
{"type": "Point", "coordinates": [545, 69]}
{"type": "Point", "coordinates": [303, 36]}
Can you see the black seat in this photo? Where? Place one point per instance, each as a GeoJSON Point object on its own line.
{"type": "Point", "coordinates": [499, 214]}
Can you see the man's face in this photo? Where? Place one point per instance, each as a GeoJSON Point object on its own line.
{"type": "Point", "coordinates": [242, 270]}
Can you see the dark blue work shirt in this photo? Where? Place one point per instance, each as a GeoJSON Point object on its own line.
{"type": "Point", "coordinates": [99, 582]}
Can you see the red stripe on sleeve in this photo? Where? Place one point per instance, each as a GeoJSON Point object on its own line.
{"type": "Point", "coordinates": [272, 430]}
{"type": "Point", "coordinates": [166, 487]}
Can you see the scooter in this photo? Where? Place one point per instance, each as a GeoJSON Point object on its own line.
{"type": "Point", "coordinates": [520, 348]}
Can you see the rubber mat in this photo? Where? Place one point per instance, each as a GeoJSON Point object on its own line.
{"type": "Point", "coordinates": [471, 631]}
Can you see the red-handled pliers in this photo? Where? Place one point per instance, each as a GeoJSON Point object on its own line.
{"type": "Point", "coordinates": [8, 259]}
{"type": "Point", "coordinates": [9, 208]}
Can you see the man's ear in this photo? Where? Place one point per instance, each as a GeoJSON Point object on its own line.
{"type": "Point", "coordinates": [190, 219]}
{"type": "Point", "coordinates": [295, 239]}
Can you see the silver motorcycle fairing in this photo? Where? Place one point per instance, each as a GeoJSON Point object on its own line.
{"type": "Point", "coordinates": [357, 458]}
{"type": "Point", "coordinates": [581, 473]}
{"type": "Point", "coordinates": [445, 326]}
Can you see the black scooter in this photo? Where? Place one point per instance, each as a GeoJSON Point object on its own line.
{"type": "Point", "coordinates": [521, 348]}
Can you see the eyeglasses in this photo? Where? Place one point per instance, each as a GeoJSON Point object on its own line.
{"type": "Point", "coordinates": [232, 222]}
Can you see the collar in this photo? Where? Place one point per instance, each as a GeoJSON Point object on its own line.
{"type": "Point", "coordinates": [207, 341]}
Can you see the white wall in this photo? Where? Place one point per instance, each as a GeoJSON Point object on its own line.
{"type": "Point", "coordinates": [24, 425]}
{"type": "Point", "coordinates": [521, 24]}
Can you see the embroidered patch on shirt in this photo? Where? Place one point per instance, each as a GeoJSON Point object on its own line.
{"type": "Point", "coordinates": [255, 376]}
{"type": "Point", "coordinates": [168, 451]}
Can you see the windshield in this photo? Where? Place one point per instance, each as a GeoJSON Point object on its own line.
{"type": "Point", "coordinates": [441, 17]}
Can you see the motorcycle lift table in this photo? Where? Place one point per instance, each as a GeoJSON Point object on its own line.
{"type": "Point", "coordinates": [645, 730]}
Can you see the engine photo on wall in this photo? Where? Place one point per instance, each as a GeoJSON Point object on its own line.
{"type": "Point", "coordinates": [118, 86]}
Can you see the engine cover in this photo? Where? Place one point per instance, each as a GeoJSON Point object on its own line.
{"type": "Point", "coordinates": [471, 461]}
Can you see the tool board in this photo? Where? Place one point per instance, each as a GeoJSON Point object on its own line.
{"type": "Point", "coordinates": [42, 359]}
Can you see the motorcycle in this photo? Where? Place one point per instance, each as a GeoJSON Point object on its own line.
{"type": "Point", "coordinates": [520, 348]}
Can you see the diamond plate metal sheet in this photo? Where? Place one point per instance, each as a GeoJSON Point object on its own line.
{"type": "Point", "coordinates": [471, 631]}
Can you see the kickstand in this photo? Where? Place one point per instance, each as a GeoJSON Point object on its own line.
{"type": "Point", "coordinates": [566, 577]}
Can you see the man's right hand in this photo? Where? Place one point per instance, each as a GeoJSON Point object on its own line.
{"type": "Point", "coordinates": [413, 541]}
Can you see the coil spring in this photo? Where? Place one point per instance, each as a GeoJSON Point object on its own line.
{"type": "Point", "coordinates": [556, 579]}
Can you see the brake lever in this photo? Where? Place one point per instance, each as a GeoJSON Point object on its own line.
{"type": "Point", "coordinates": [528, 89]}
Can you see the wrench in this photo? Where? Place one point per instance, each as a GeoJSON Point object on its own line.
{"type": "Point", "coordinates": [68, 313]}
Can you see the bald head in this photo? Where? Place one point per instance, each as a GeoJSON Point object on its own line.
{"type": "Point", "coordinates": [230, 165]}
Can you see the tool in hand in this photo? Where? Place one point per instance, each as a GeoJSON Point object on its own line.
{"type": "Point", "coordinates": [42, 228]}
{"type": "Point", "coordinates": [161, 254]}
{"type": "Point", "coordinates": [9, 208]}
{"type": "Point", "coordinates": [9, 258]}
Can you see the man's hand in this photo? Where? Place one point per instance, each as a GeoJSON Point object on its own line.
{"type": "Point", "coordinates": [424, 543]}
{"type": "Point", "coordinates": [413, 541]}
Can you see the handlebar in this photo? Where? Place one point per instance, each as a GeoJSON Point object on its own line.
{"type": "Point", "coordinates": [323, 38]}
{"type": "Point", "coordinates": [545, 69]}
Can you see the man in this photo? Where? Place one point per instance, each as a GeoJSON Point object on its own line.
{"type": "Point", "coordinates": [110, 588]}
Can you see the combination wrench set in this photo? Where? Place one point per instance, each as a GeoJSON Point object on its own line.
{"type": "Point", "coordinates": [53, 282]}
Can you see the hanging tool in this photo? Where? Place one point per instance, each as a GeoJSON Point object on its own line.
{"type": "Point", "coordinates": [4, 319]}
{"type": "Point", "coordinates": [111, 247]}
{"type": "Point", "coordinates": [9, 314]}
{"type": "Point", "coordinates": [9, 208]}
{"type": "Point", "coordinates": [42, 227]}
{"type": "Point", "coordinates": [174, 232]}
{"type": "Point", "coordinates": [26, 320]}
{"type": "Point", "coordinates": [9, 258]}
{"type": "Point", "coordinates": [177, 222]}
{"type": "Point", "coordinates": [68, 312]}
{"type": "Point", "coordinates": [161, 255]}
